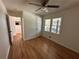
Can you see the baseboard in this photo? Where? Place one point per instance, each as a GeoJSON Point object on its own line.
{"type": "Point", "coordinates": [68, 48]}
{"type": "Point", "coordinates": [32, 37]}
{"type": "Point", "coordinates": [8, 52]}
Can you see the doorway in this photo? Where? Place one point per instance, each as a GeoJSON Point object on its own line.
{"type": "Point", "coordinates": [15, 28]}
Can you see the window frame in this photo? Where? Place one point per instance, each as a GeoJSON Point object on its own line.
{"type": "Point", "coordinates": [51, 23]}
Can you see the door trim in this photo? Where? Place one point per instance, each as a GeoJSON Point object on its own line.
{"type": "Point", "coordinates": [9, 31]}
{"type": "Point", "coordinates": [22, 28]}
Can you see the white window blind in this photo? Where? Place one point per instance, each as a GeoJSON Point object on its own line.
{"type": "Point", "coordinates": [47, 25]}
{"type": "Point", "coordinates": [56, 23]}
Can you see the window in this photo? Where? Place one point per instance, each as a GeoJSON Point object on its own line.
{"type": "Point", "coordinates": [47, 25]}
{"type": "Point", "coordinates": [56, 23]}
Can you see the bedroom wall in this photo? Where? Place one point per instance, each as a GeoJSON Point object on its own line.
{"type": "Point", "coordinates": [69, 35]}
{"type": "Point", "coordinates": [4, 40]}
{"type": "Point", "coordinates": [32, 25]}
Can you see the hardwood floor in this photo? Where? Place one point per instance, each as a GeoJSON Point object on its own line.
{"type": "Point", "coordinates": [39, 48]}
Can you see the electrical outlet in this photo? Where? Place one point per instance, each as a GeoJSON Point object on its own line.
{"type": "Point", "coordinates": [49, 36]}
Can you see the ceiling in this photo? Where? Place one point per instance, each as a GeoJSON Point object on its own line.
{"type": "Point", "coordinates": [20, 5]}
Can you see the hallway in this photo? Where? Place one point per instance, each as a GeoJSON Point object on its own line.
{"type": "Point", "coordinates": [39, 48]}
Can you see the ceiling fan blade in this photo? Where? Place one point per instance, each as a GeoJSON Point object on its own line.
{"type": "Point", "coordinates": [34, 4]}
{"type": "Point", "coordinates": [38, 9]}
{"type": "Point", "coordinates": [53, 6]}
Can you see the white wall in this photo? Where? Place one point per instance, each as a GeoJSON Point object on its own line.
{"type": "Point", "coordinates": [32, 25]}
{"type": "Point", "coordinates": [4, 41]}
{"type": "Point", "coordinates": [69, 36]}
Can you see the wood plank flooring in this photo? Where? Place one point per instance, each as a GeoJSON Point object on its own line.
{"type": "Point", "coordinates": [39, 48]}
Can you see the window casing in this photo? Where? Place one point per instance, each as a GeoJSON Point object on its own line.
{"type": "Point", "coordinates": [53, 25]}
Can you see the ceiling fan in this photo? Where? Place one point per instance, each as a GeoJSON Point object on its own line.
{"type": "Point", "coordinates": [43, 5]}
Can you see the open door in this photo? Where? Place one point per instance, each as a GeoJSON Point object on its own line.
{"type": "Point", "coordinates": [9, 31]}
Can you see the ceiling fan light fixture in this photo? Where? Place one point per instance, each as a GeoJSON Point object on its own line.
{"type": "Point", "coordinates": [43, 6]}
{"type": "Point", "coordinates": [45, 9]}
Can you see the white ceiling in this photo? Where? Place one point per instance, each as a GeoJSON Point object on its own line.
{"type": "Point", "coordinates": [23, 5]}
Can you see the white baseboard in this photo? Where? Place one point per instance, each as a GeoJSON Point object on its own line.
{"type": "Point", "coordinates": [64, 45]}
{"type": "Point", "coordinates": [8, 52]}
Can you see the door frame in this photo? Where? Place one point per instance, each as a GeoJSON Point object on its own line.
{"type": "Point", "coordinates": [22, 28]}
{"type": "Point", "coordinates": [9, 29]}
